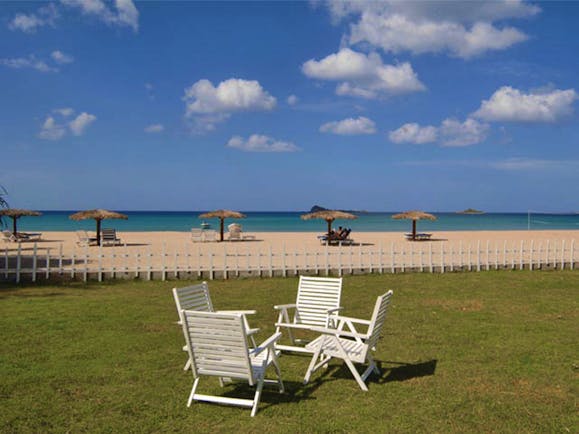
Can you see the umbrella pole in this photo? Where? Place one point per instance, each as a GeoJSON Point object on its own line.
{"type": "Point", "coordinates": [14, 226]}
{"type": "Point", "coordinates": [413, 230]}
{"type": "Point", "coordinates": [98, 232]}
{"type": "Point", "coordinates": [222, 220]}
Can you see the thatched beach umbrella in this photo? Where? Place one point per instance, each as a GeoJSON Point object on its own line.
{"type": "Point", "coordinates": [98, 215]}
{"type": "Point", "coordinates": [15, 214]}
{"type": "Point", "coordinates": [329, 216]}
{"type": "Point", "coordinates": [414, 216]}
{"type": "Point", "coordinates": [222, 214]}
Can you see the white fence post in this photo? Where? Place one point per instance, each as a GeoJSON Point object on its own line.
{"type": "Point", "coordinates": [381, 257]}
{"type": "Point", "coordinates": [441, 258]}
{"type": "Point", "coordinates": [488, 247]}
{"type": "Point", "coordinates": [531, 255]}
{"type": "Point", "coordinates": [430, 257]}
{"type": "Point", "coordinates": [60, 259]}
{"type": "Point", "coordinates": [85, 274]}
{"type": "Point", "coordinates": [478, 255]}
{"type": "Point", "coordinates": [163, 262]}
{"type": "Point", "coordinates": [521, 255]}
{"type": "Point", "coordinates": [283, 268]}
{"type": "Point", "coordinates": [18, 262]}
{"type": "Point", "coordinates": [562, 254]}
{"type": "Point", "coordinates": [572, 255]}
{"type": "Point", "coordinates": [100, 263]}
{"type": "Point", "coordinates": [34, 261]}
{"type": "Point", "coordinates": [270, 261]}
{"type": "Point", "coordinates": [47, 271]}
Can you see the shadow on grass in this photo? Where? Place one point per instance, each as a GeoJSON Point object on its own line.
{"type": "Point", "coordinates": [402, 372]}
{"type": "Point", "coordinates": [294, 392]}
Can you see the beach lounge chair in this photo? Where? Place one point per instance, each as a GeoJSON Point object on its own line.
{"type": "Point", "coordinates": [8, 236]}
{"type": "Point", "coordinates": [236, 233]}
{"type": "Point", "coordinates": [350, 345]}
{"type": "Point", "coordinates": [209, 235]}
{"type": "Point", "coordinates": [419, 237]}
{"type": "Point", "coordinates": [197, 297]}
{"type": "Point", "coordinates": [196, 235]}
{"type": "Point", "coordinates": [84, 240]}
{"type": "Point", "coordinates": [318, 298]}
{"type": "Point", "coordinates": [343, 239]}
{"type": "Point", "coordinates": [109, 238]}
{"type": "Point", "coordinates": [20, 236]}
{"type": "Point", "coordinates": [217, 346]}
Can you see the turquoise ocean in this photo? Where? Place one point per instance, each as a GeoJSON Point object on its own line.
{"type": "Point", "coordinates": [291, 222]}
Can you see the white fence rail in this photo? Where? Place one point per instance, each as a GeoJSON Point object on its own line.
{"type": "Point", "coordinates": [229, 261]}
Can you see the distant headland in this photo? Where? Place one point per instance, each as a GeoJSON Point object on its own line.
{"type": "Point", "coordinates": [317, 208]}
{"type": "Point", "coordinates": [470, 211]}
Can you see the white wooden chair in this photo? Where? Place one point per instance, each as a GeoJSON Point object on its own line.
{"type": "Point", "coordinates": [83, 239]}
{"type": "Point", "coordinates": [217, 345]}
{"type": "Point", "coordinates": [196, 235]}
{"type": "Point", "coordinates": [197, 297]}
{"type": "Point", "coordinates": [109, 238]}
{"type": "Point", "coordinates": [209, 235]}
{"type": "Point", "coordinates": [350, 346]}
{"type": "Point", "coordinates": [318, 298]}
{"type": "Point", "coordinates": [9, 237]}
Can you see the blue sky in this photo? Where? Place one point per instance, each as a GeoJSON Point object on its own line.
{"type": "Point", "coordinates": [282, 105]}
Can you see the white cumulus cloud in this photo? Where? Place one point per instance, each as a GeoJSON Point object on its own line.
{"type": "Point", "coordinates": [124, 12]}
{"type": "Point", "coordinates": [363, 75]}
{"type": "Point", "coordinates": [511, 105]}
{"type": "Point", "coordinates": [231, 95]}
{"type": "Point", "coordinates": [50, 130]}
{"type": "Point", "coordinates": [27, 62]}
{"type": "Point", "coordinates": [154, 128]}
{"type": "Point", "coordinates": [292, 100]}
{"type": "Point", "coordinates": [61, 58]}
{"type": "Point", "coordinates": [59, 123]}
{"type": "Point", "coordinates": [350, 126]}
{"type": "Point", "coordinates": [261, 143]}
{"type": "Point", "coordinates": [456, 133]}
{"type": "Point", "coordinates": [81, 122]}
{"type": "Point", "coordinates": [414, 133]}
{"type": "Point", "coordinates": [30, 23]}
{"type": "Point", "coordinates": [451, 132]}
{"type": "Point", "coordinates": [462, 29]}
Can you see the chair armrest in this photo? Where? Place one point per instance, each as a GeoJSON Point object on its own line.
{"type": "Point", "coordinates": [251, 331]}
{"type": "Point", "coordinates": [292, 325]}
{"type": "Point", "coordinates": [339, 333]}
{"type": "Point", "coordinates": [268, 343]}
{"type": "Point", "coordinates": [356, 320]}
{"type": "Point", "coordinates": [240, 312]}
{"type": "Point", "coordinates": [284, 306]}
{"type": "Point", "coordinates": [335, 309]}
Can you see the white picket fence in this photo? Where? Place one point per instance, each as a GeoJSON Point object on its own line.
{"type": "Point", "coordinates": [226, 261]}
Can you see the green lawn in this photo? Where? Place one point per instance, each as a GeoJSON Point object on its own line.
{"type": "Point", "coordinates": [471, 352]}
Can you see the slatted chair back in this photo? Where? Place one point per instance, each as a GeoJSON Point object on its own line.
{"type": "Point", "coordinates": [378, 319]}
{"type": "Point", "coordinates": [315, 296]}
{"type": "Point", "coordinates": [194, 297]}
{"type": "Point", "coordinates": [109, 234]}
{"type": "Point", "coordinates": [196, 235]}
{"type": "Point", "coordinates": [217, 345]}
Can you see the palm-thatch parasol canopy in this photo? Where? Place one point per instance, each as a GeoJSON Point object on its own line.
{"type": "Point", "coordinates": [414, 216]}
{"type": "Point", "coordinates": [15, 214]}
{"type": "Point", "coordinates": [98, 215]}
{"type": "Point", "coordinates": [222, 214]}
{"type": "Point", "coordinates": [329, 216]}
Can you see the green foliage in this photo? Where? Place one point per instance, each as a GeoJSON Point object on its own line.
{"type": "Point", "coordinates": [469, 352]}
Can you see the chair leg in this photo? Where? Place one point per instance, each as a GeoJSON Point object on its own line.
{"type": "Point", "coordinates": [315, 357]}
{"type": "Point", "coordinates": [195, 384]}
{"type": "Point", "coordinates": [187, 365]}
{"type": "Point", "coordinates": [278, 372]}
{"type": "Point", "coordinates": [257, 396]}
{"type": "Point", "coordinates": [351, 366]}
